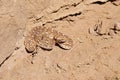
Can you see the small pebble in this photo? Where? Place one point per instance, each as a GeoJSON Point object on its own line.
{"type": "Point", "coordinates": [117, 26]}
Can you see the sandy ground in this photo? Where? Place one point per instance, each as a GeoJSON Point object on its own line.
{"type": "Point", "coordinates": [91, 25]}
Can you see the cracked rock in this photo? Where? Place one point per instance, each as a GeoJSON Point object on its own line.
{"type": "Point", "coordinates": [116, 2]}
{"type": "Point", "coordinates": [94, 1]}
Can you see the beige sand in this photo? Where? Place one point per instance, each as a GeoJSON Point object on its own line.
{"type": "Point", "coordinates": [90, 24]}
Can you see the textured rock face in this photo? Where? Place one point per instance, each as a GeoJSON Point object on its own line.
{"type": "Point", "coordinates": [94, 29]}
{"type": "Point", "coordinates": [13, 18]}
{"type": "Point", "coordinates": [8, 31]}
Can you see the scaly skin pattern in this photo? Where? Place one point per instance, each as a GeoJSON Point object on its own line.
{"type": "Point", "coordinates": [46, 38]}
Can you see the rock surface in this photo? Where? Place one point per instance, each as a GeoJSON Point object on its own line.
{"type": "Point", "coordinates": [96, 42]}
